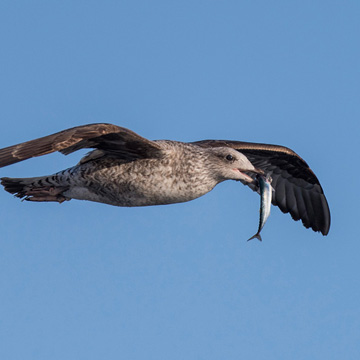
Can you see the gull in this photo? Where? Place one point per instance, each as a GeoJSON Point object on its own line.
{"type": "Point", "coordinates": [125, 169]}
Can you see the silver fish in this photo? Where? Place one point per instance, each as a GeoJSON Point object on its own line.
{"type": "Point", "coordinates": [265, 202]}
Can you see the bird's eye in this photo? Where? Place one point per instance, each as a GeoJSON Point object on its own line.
{"type": "Point", "coordinates": [229, 157]}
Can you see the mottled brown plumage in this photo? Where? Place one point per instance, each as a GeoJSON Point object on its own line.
{"type": "Point", "coordinates": [126, 169]}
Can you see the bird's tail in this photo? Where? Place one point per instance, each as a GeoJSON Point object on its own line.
{"type": "Point", "coordinates": [42, 188]}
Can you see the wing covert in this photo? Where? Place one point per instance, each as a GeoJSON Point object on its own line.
{"type": "Point", "coordinates": [112, 139]}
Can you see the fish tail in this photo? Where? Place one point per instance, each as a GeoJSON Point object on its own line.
{"type": "Point", "coordinates": [257, 236]}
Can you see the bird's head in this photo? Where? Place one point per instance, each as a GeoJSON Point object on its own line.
{"type": "Point", "coordinates": [230, 164]}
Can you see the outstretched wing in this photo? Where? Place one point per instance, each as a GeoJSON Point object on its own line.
{"type": "Point", "coordinates": [109, 138]}
{"type": "Point", "coordinates": [297, 189]}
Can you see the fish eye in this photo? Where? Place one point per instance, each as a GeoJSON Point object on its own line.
{"type": "Point", "coordinates": [229, 157]}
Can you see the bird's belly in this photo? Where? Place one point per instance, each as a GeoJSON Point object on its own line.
{"type": "Point", "coordinates": [141, 192]}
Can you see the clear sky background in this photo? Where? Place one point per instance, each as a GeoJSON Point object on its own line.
{"type": "Point", "coordinates": [89, 281]}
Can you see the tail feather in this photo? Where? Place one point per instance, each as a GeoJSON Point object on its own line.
{"type": "Point", "coordinates": [17, 185]}
{"type": "Point", "coordinates": [34, 189]}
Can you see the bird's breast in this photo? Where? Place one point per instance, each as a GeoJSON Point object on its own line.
{"type": "Point", "coordinates": [141, 183]}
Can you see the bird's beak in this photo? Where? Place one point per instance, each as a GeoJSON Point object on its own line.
{"type": "Point", "coordinates": [257, 171]}
{"type": "Point", "coordinates": [248, 178]}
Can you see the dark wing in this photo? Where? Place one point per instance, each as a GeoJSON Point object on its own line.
{"type": "Point", "coordinates": [111, 139]}
{"type": "Point", "coordinates": [297, 189]}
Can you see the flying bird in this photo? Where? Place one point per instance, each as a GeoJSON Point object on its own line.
{"type": "Point", "coordinates": [125, 169]}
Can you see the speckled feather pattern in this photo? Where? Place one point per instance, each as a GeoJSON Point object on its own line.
{"type": "Point", "coordinates": [183, 173]}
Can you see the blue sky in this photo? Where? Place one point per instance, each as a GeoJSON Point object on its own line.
{"type": "Point", "coordinates": [89, 281]}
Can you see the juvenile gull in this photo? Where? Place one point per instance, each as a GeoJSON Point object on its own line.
{"type": "Point", "coordinates": [126, 169]}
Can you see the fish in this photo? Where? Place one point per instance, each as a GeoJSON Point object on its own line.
{"type": "Point", "coordinates": [265, 202]}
